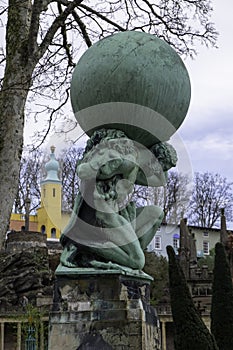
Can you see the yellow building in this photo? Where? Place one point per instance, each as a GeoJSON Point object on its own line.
{"type": "Point", "coordinates": [49, 219]}
{"type": "Point", "coordinates": [17, 222]}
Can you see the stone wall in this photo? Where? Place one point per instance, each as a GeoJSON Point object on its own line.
{"type": "Point", "coordinates": [106, 309]}
{"type": "Point", "coordinates": [18, 241]}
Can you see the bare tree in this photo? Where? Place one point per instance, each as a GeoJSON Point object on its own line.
{"type": "Point", "coordinates": [69, 159]}
{"type": "Point", "coordinates": [30, 176]}
{"type": "Point", "coordinates": [43, 38]}
{"type": "Point", "coordinates": [173, 198]}
{"type": "Point", "coordinates": [211, 192]}
{"type": "Point", "coordinates": [176, 197]}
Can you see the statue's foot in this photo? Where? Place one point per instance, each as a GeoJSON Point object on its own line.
{"type": "Point", "coordinates": [113, 266]}
{"type": "Point", "coordinates": [108, 265]}
{"type": "Point", "coordinates": [67, 256]}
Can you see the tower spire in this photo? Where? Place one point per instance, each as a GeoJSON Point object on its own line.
{"type": "Point", "coordinates": [52, 168]}
{"type": "Point", "coordinates": [49, 214]}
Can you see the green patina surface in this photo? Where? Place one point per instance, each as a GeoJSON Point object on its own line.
{"type": "Point", "coordinates": [106, 225]}
{"type": "Point", "coordinates": [136, 68]}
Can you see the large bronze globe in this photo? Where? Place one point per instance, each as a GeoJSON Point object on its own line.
{"type": "Point", "coordinates": [132, 81]}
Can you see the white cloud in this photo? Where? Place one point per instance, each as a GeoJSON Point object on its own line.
{"type": "Point", "coordinates": [214, 145]}
{"type": "Point", "coordinates": [212, 153]}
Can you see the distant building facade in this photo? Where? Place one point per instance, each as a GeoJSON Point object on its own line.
{"type": "Point", "coordinates": [17, 222]}
{"type": "Point", "coordinates": [169, 234]}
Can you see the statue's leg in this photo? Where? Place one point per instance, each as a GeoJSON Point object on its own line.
{"type": "Point", "coordinates": [130, 255]}
{"type": "Point", "coordinates": [147, 222]}
{"type": "Point", "coordinates": [122, 245]}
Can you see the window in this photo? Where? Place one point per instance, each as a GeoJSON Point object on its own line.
{"type": "Point", "coordinates": [43, 229]}
{"type": "Point", "coordinates": [205, 234]}
{"type": "Point", "coordinates": [206, 248]}
{"type": "Point", "coordinates": [44, 192]}
{"type": "Point", "coordinates": [176, 243]}
{"type": "Point", "coordinates": [53, 232]}
{"type": "Point", "coordinates": [54, 192]}
{"type": "Point", "coordinates": [157, 242]}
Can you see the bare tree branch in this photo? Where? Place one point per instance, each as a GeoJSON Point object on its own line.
{"type": "Point", "coordinates": [51, 119]}
{"type": "Point", "coordinates": [82, 28]}
{"type": "Point", "coordinates": [36, 10]}
{"type": "Point", "coordinates": [211, 193]}
{"type": "Point", "coordinates": [57, 23]}
{"type": "Point", "coordinates": [65, 42]}
{"type": "Point", "coordinates": [99, 15]}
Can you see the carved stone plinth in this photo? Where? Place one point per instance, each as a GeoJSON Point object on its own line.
{"type": "Point", "coordinates": [102, 309]}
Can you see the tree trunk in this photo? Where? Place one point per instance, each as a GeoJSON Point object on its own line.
{"type": "Point", "coordinates": [12, 103]}
{"type": "Point", "coordinates": [13, 95]}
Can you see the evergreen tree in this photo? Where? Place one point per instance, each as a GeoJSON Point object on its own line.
{"type": "Point", "coordinates": [190, 331]}
{"type": "Point", "coordinates": [157, 267]}
{"type": "Point", "coordinates": [222, 301]}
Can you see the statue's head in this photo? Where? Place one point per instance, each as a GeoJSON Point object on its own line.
{"type": "Point", "coordinates": [166, 155]}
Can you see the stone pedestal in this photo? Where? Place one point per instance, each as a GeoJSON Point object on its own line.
{"type": "Point", "coordinates": [102, 309]}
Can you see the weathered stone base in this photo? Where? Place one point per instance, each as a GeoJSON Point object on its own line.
{"type": "Point", "coordinates": [102, 309]}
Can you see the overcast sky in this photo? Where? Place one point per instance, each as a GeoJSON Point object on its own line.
{"type": "Point", "coordinates": [207, 131]}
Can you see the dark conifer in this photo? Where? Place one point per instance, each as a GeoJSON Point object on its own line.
{"type": "Point", "coordinates": [190, 331]}
{"type": "Point", "coordinates": [222, 301]}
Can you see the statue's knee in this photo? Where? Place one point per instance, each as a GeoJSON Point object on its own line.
{"type": "Point", "coordinates": [138, 261]}
{"type": "Point", "coordinates": [157, 214]}
{"type": "Point", "coordinates": [155, 210]}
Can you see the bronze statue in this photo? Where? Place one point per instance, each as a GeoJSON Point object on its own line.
{"type": "Point", "coordinates": [106, 229]}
